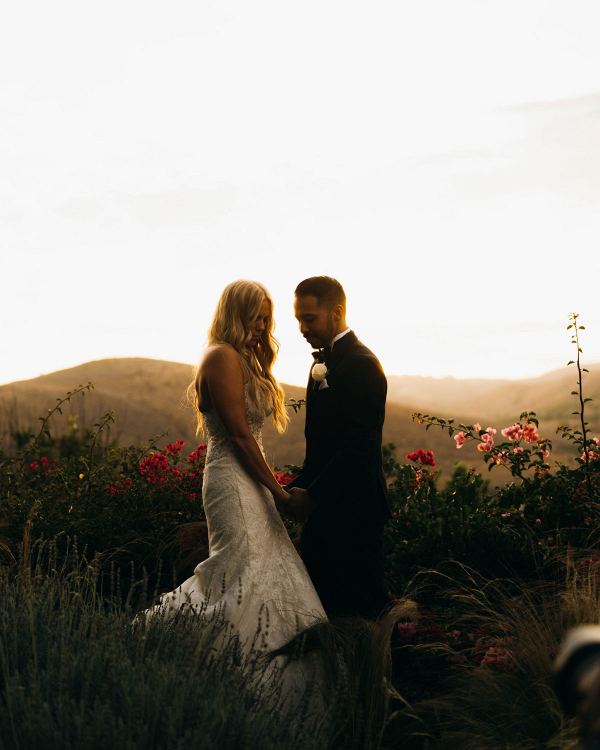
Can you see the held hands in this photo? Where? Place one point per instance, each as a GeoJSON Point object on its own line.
{"type": "Point", "coordinates": [299, 505]}
{"type": "Point", "coordinates": [295, 504]}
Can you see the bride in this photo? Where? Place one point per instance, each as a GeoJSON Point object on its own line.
{"type": "Point", "coordinates": [253, 578]}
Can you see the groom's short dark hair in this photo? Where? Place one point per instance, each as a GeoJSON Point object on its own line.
{"type": "Point", "coordinates": [328, 291]}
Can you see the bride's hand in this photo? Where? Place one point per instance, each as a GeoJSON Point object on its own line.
{"type": "Point", "coordinates": [282, 499]}
{"type": "Point", "coordinates": [299, 504]}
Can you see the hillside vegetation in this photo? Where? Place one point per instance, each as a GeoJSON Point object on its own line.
{"type": "Point", "coordinates": [490, 581]}
{"type": "Point", "coordinates": [148, 397]}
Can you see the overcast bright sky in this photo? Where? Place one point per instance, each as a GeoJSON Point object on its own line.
{"type": "Point", "coordinates": [441, 159]}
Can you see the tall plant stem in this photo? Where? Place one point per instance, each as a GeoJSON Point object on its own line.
{"type": "Point", "coordinates": [582, 408]}
{"type": "Point", "coordinates": [107, 419]}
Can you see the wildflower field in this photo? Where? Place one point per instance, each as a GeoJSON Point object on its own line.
{"type": "Point", "coordinates": [91, 532]}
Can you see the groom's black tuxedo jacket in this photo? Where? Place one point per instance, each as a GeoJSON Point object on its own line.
{"type": "Point", "coordinates": [343, 467]}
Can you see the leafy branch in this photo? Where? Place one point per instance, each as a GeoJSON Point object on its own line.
{"type": "Point", "coordinates": [296, 405]}
{"type": "Point", "coordinates": [106, 421]}
{"type": "Point", "coordinates": [44, 420]}
{"type": "Point", "coordinates": [511, 454]}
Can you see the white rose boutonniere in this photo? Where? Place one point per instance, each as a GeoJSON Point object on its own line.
{"type": "Point", "coordinates": [319, 371]}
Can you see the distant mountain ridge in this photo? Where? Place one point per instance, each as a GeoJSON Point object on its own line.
{"type": "Point", "coordinates": [148, 396]}
{"type": "Point", "coordinates": [430, 393]}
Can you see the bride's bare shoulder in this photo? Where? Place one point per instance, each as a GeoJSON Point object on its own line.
{"type": "Point", "coordinates": [220, 353]}
{"type": "Point", "coordinates": [219, 369]}
{"type": "Point", "coordinates": [220, 358]}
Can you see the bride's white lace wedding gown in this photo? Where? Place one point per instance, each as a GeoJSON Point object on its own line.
{"type": "Point", "coordinates": [253, 578]}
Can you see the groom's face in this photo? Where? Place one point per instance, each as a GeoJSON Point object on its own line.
{"type": "Point", "coordinates": [317, 323]}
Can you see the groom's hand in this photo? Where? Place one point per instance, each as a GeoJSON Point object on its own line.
{"type": "Point", "coordinates": [299, 504]}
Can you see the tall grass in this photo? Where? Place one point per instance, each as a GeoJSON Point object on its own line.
{"type": "Point", "coordinates": [506, 703]}
{"type": "Point", "coordinates": [79, 671]}
{"type": "Point", "coordinates": [75, 674]}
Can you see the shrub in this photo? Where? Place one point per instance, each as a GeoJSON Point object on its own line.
{"type": "Point", "coordinates": [536, 518]}
{"type": "Point", "coordinates": [74, 673]}
{"type": "Point", "coordinates": [137, 503]}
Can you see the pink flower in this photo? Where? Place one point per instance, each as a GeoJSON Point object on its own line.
{"type": "Point", "coordinates": [498, 658]}
{"type": "Point", "coordinates": [461, 438]}
{"type": "Point", "coordinates": [538, 521]}
{"type": "Point", "coordinates": [518, 449]}
{"type": "Point", "coordinates": [597, 441]}
{"type": "Point", "coordinates": [545, 453]}
{"type": "Point", "coordinates": [501, 458]}
{"type": "Point", "coordinates": [477, 426]}
{"type": "Point", "coordinates": [407, 630]}
{"type": "Point", "coordinates": [486, 441]}
{"type": "Point", "coordinates": [513, 433]}
{"type": "Point", "coordinates": [491, 431]}
{"type": "Point", "coordinates": [529, 433]}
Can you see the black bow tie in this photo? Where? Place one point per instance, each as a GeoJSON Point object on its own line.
{"type": "Point", "coordinates": [323, 355]}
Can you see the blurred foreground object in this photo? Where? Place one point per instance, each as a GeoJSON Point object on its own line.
{"type": "Point", "coordinates": [577, 681]}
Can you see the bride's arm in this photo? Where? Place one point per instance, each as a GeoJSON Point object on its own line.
{"type": "Point", "coordinates": [222, 374]}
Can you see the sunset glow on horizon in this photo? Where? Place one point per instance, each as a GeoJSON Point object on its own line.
{"type": "Point", "coordinates": [441, 160]}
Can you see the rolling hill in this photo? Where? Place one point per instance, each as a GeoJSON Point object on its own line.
{"type": "Point", "coordinates": [148, 397]}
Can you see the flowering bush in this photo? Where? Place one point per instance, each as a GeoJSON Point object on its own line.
{"type": "Point", "coordinates": [476, 647]}
{"type": "Point", "coordinates": [543, 511]}
{"type": "Point", "coordinates": [430, 525]}
{"type": "Point", "coordinates": [132, 501]}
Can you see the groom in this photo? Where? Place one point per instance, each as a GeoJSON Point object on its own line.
{"type": "Point", "coordinates": [341, 483]}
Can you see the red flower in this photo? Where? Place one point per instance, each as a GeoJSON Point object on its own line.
{"type": "Point", "coordinates": [285, 478]}
{"type": "Point", "coordinates": [175, 448]}
{"type": "Point", "coordinates": [45, 465]}
{"type": "Point", "coordinates": [197, 455]}
{"type": "Point", "coordinates": [425, 458]}
{"type": "Point", "coordinates": [156, 469]}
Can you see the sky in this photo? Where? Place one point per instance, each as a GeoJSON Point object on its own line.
{"type": "Point", "coordinates": [441, 159]}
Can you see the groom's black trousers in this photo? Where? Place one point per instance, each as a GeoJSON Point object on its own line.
{"type": "Point", "coordinates": [345, 563]}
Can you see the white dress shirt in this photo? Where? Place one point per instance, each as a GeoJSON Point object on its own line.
{"type": "Point", "coordinates": [338, 337]}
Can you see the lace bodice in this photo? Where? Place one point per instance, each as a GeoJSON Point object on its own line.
{"type": "Point", "coordinates": [218, 441]}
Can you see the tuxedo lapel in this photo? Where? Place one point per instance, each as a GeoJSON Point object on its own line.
{"type": "Point", "coordinates": [340, 349]}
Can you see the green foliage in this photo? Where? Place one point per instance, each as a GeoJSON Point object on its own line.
{"type": "Point", "coordinates": [387, 454]}
{"type": "Point", "coordinates": [75, 673]}
{"type": "Point", "coordinates": [517, 529]}
{"type": "Point", "coordinates": [537, 517]}
{"type": "Point", "coordinates": [136, 503]}
{"type": "Point", "coordinates": [429, 526]}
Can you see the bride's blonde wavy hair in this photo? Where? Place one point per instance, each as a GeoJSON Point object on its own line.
{"type": "Point", "coordinates": [238, 305]}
